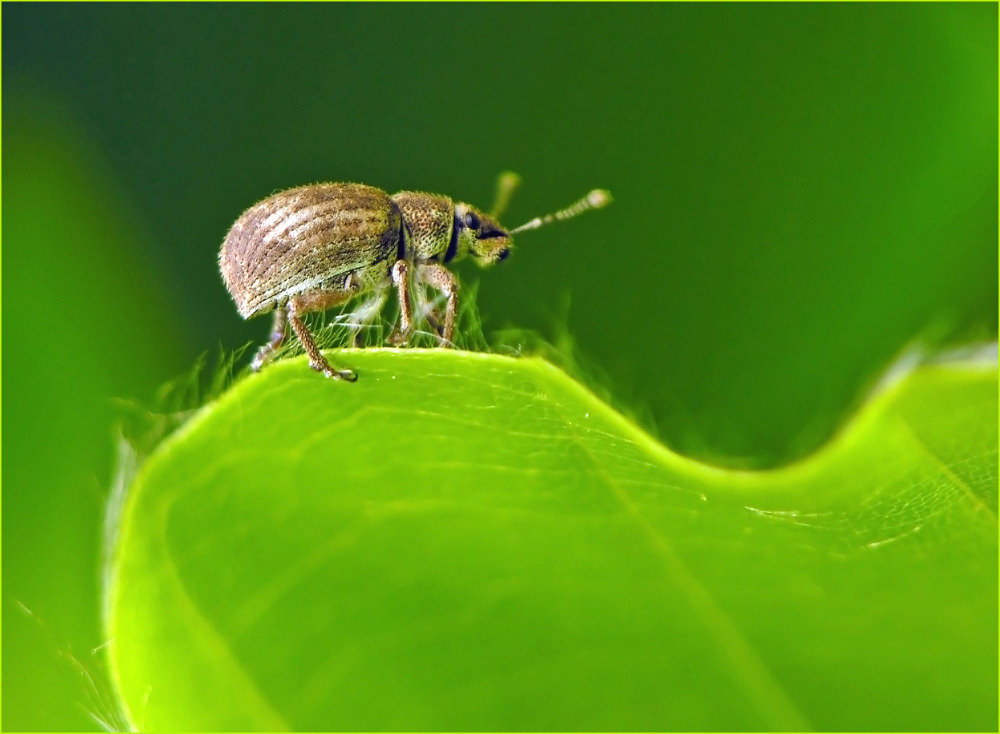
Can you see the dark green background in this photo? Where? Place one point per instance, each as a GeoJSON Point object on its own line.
{"type": "Point", "coordinates": [800, 190]}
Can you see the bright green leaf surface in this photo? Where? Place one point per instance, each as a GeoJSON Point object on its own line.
{"type": "Point", "coordinates": [474, 542]}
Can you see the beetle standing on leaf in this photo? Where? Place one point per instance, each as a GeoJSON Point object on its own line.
{"type": "Point", "coordinates": [312, 247]}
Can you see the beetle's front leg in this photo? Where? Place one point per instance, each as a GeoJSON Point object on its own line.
{"type": "Point", "coordinates": [442, 279]}
{"type": "Point", "coordinates": [401, 279]}
{"type": "Point", "coordinates": [277, 338]}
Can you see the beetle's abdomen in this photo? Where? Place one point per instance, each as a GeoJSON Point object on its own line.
{"type": "Point", "coordinates": [307, 239]}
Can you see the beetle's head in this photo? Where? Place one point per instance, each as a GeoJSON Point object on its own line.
{"type": "Point", "coordinates": [480, 235]}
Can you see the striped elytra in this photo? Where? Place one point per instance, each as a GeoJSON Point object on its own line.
{"type": "Point", "coordinates": [308, 239]}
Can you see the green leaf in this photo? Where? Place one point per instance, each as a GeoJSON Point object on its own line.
{"type": "Point", "coordinates": [468, 541]}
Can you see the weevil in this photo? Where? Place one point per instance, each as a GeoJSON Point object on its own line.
{"type": "Point", "coordinates": [313, 247]}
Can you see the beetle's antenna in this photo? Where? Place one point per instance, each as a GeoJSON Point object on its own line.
{"type": "Point", "coordinates": [507, 183]}
{"type": "Point", "coordinates": [594, 200]}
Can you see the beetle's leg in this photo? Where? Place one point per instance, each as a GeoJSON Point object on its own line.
{"type": "Point", "coordinates": [439, 277]}
{"type": "Point", "coordinates": [277, 338]}
{"type": "Point", "coordinates": [316, 359]}
{"type": "Point", "coordinates": [401, 279]}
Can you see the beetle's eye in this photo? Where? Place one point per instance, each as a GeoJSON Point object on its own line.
{"type": "Point", "coordinates": [472, 221]}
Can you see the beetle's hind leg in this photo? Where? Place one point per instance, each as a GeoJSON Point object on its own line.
{"type": "Point", "coordinates": [316, 359]}
{"type": "Point", "coordinates": [266, 353]}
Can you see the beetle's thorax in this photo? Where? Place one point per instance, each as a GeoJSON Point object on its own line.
{"type": "Point", "coordinates": [442, 230]}
{"type": "Point", "coordinates": [430, 219]}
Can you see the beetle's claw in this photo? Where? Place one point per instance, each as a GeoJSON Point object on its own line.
{"type": "Point", "coordinates": [345, 375]}
{"type": "Point", "coordinates": [260, 359]}
{"type": "Point", "coordinates": [398, 338]}
{"type": "Point", "coordinates": [328, 371]}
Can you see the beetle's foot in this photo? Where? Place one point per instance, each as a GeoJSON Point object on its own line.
{"type": "Point", "coordinates": [264, 355]}
{"type": "Point", "coordinates": [328, 371]}
{"type": "Point", "coordinates": [398, 338]}
{"type": "Point", "coordinates": [345, 375]}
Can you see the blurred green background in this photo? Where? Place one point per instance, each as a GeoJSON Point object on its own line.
{"type": "Point", "coordinates": [800, 191]}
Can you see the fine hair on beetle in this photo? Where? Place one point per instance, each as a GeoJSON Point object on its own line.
{"type": "Point", "coordinates": [310, 248]}
{"type": "Point", "coordinates": [347, 329]}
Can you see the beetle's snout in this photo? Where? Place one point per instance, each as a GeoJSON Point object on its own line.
{"type": "Point", "coordinates": [492, 245]}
